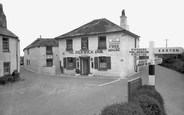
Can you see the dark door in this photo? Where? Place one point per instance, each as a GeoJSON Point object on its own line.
{"type": "Point", "coordinates": [85, 66]}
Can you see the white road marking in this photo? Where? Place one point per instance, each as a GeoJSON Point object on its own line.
{"type": "Point", "coordinates": [105, 83]}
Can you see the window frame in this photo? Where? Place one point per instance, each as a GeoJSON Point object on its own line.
{"type": "Point", "coordinates": [69, 47]}
{"type": "Point", "coordinates": [47, 64]}
{"type": "Point", "coordinates": [6, 45]}
{"type": "Point", "coordinates": [82, 43]}
{"type": "Point", "coordinates": [49, 50]}
{"type": "Point", "coordinates": [99, 43]}
{"type": "Point", "coordinates": [99, 63]}
{"type": "Point", "coordinates": [4, 68]}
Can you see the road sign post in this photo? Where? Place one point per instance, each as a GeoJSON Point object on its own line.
{"type": "Point", "coordinates": [152, 64]}
{"type": "Point", "coordinates": [152, 60]}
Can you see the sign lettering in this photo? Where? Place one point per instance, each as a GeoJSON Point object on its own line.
{"type": "Point", "coordinates": [169, 50]}
{"type": "Point", "coordinates": [114, 48]}
{"type": "Point", "coordinates": [86, 52]}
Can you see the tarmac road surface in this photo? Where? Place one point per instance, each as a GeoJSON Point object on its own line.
{"type": "Point", "coordinates": [56, 95]}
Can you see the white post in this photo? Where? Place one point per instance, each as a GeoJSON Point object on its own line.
{"type": "Point", "coordinates": [152, 63]}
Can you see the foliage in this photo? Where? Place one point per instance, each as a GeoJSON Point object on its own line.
{"type": "Point", "coordinates": [10, 78]}
{"type": "Point", "coordinates": [77, 71]}
{"type": "Point", "coordinates": [149, 105]}
{"type": "Point", "coordinates": [151, 92]}
{"type": "Point", "coordinates": [173, 61]}
{"type": "Point", "coordinates": [122, 109]}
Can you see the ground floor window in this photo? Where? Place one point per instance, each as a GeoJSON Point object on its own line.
{"type": "Point", "coordinates": [6, 68]}
{"type": "Point", "coordinates": [69, 62]}
{"type": "Point", "coordinates": [102, 63]}
{"type": "Point", "coordinates": [49, 62]}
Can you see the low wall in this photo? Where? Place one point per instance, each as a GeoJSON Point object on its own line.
{"type": "Point", "coordinates": [48, 70]}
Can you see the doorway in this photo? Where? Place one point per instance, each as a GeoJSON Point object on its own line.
{"type": "Point", "coordinates": [85, 65]}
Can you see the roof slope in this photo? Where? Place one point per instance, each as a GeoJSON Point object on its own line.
{"type": "Point", "coordinates": [6, 32]}
{"type": "Point", "coordinates": [99, 26]}
{"type": "Point", "coordinates": [40, 42]}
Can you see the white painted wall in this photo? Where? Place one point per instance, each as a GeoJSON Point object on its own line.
{"type": "Point", "coordinates": [122, 63]}
{"type": "Point", "coordinates": [13, 56]}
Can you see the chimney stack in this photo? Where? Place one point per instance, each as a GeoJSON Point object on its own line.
{"type": "Point", "coordinates": [123, 21]}
{"type": "Point", "coordinates": [3, 22]}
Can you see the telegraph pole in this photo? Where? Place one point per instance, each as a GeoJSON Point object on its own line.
{"type": "Point", "coordinates": [166, 42]}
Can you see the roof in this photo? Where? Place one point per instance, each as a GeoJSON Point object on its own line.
{"type": "Point", "coordinates": [40, 42]}
{"type": "Point", "coordinates": [6, 32]}
{"type": "Point", "coordinates": [99, 26]}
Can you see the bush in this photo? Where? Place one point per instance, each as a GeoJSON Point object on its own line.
{"type": "Point", "coordinates": [122, 109]}
{"type": "Point", "coordinates": [149, 105]}
{"type": "Point", "coordinates": [16, 75]}
{"type": "Point", "coordinates": [150, 91]}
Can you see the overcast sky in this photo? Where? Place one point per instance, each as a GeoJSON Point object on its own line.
{"type": "Point", "coordinates": [152, 20]}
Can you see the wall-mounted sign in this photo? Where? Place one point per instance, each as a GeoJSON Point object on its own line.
{"type": "Point", "coordinates": [114, 48]}
{"type": "Point", "coordinates": [114, 41]}
{"type": "Point", "coordinates": [86, 52]}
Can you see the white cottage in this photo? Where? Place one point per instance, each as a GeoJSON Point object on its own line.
{"type": "Point", "coordinates": [42, 56]}
{"type": "Point", "coordinates": [99, 48]}
{"type": "Point", "coordinates": [9, 48]}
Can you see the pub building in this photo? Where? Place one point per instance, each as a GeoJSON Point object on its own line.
{"type": "Point", "coordinates": [99, 48]}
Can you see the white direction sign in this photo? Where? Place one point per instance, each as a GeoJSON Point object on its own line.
{"type": "Point", "coordinates": [158, 60]}
{"type": "Point", "coordinates": [139, 51]}
{"type": "Point", "coordinates": [146, 62]}
{"type": "Point", "coordinates": [169, 50]}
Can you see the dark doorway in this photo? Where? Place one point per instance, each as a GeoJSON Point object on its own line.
{"type": "Point", "coordinates": [85, 65]}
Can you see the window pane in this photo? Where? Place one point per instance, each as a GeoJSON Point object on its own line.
{"type": "Point", "coordinates": [5, 44]}
{"type": "Point", "coordinates": [84, 43]}
{"type": "Point", "coordinates": [49, 63]}
{"type": "Point", "coordinates": [6, 67]}
{"type": "Point", "coordinates": [69, 44]}
{"type": "Point", "coordinates": [102, 42]}
{"type": "Point", "coordinates": [102, 62]}
{"type": "Point", "coordinates": [48, 49]}
{"type": "Point", "coordinates": [70, 63]}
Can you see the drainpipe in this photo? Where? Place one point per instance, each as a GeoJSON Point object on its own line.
{"type": "Point", "coordinates": [18, 55]}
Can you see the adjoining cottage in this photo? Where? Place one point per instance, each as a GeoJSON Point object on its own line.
{"type": "Point", "coordinates": [9, 48]}
{"type": "Point", "coordinates": [42, 56]}
{"type": "Point", "coordinates": [99, 48]}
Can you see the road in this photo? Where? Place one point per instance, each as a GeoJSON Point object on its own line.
{"type": "Point", "coordinates": [56, 95]}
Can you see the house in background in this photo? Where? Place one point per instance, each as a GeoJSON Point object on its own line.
{"type": "Point", "coordinates": [9, 48]}
{"type": "Point", "coordinates": [100, 48]}
{"type": "Point", "coordinates": [42, 57]}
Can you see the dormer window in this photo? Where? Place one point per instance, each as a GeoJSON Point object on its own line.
{"type": "Point", "coordinates": [102, 42]}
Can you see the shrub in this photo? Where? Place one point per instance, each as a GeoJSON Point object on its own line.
{"type": "Point", "coordinates": [122, 109]}
{"type": "Point", "coordinates": [77, 71]}
{"type": "Point", "coordinates": [150, 91]}
{"type": "Point", "coordinates": [16, 75]}
{"type": "Point", "coordinates": [149, 105]}
{"type": "Point", "coordinates": [3, 80]}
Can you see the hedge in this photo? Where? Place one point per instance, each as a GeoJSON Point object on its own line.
{"type": "Point", "coordinates": [122, 109]}
{"type": "Point", "coordinates": [149, 105]}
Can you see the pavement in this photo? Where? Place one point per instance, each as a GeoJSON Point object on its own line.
{"type": "Point", "coordinates": [83, 95]}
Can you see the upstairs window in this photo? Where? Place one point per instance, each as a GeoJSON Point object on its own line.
{"type": "Point", "coordinates": [5, 45]}
{"type": "Point", "coordinates": [84, 43]}
{"type": "Point", "coordinates": [6, 68]}
{"type": "Point", "coordinates": [102, 42]}
{"type": "Point", "coordinates": [27, 51]}
{"type": "Point", "coordinates": [69, 44]}
{"type": "Point", "coordinates": [49, 50]}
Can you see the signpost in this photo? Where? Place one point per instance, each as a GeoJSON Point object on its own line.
{"type": "Point", "coordinates": [151, 51]}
